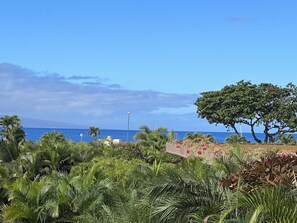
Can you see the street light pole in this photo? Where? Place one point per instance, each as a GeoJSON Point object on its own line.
{"type": "Point", "coordinates": [128, 126]}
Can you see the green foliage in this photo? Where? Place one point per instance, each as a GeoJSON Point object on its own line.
{"type": "Point", "coordinates": [200, 137]}
{"type": "Point", "coordinates": [287, 139]}
{"type": "Point", "coordinates": [27, 201]}
{"type": "Point", "coordinates": [13, 135]}
{"type": "Point", "coordinates": [115, 169]}
{"type": "Point", "coordinates": [171, 136]}
{"type": "Point", "coordinates": [234, 139]}
{"type": "Point", "coordinates": [52, 138]}
{"type": "Point", "coordinates": [271, 169]}
{"type": "Point", "coordinates": [153, 138]}
{"type": "Point", "coordinates": [190, 194]}
{"type": "Point", "coordinates": [4, 179]}
{"type": "Point", "coordinates": [84, 152]}
{"type": "Point", "coordinates": [265, 104]}
{"type": "Point", "coordinates": [55, 180]}
{"type": "Point", "coordinates": [267, 205]}
{"type": "Point", "coordinates": [9, 151]}
{"type": "Point", "coordinates": [228, 165]}
{"type": "Point", "coordinates": [54, 153]}
{"type": "Point", "coordinates": [94, 132]}
{"type": "Point", "coordinates": [152, 144]}
{"type": "Point", "coordinates": [12, 130]}
{"type": "Point", "coordinates": [126, 151]}
{"type": "Point", "coordinates": [59, 198]}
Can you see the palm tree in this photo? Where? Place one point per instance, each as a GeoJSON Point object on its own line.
{"type": "Point", "coordinates": [270, 204]}
{"type": "Point", "coordinates": [10, 122]}
{"type": "Point", "coordinates": [81, 196]}
{"type": "Point", "coordinates": [12, 137]}
{"type": "Point", "coordinates": [9, 150]}
{"type": "Point", "coordinates": [189, 195]}
{"type": "Point", "coordinates": [94, 196]}
{"type": "Point", "coordinates": [234, 139]}
{"type": "Point", "coordinates": [11, 129]}
{"type": "Point", "coordinates": [199, 137]}
{"type": "Point", "coordinates": [153, 143]}
{"type": "Point", "coordinates": [29, 202]}
{"type": "Point", "coordinates": [287, 139]}
{"type": "Point", "coordinates": [53, 138]}
{"type": "Point", "coordinates": [154, 138]}
{"type": "Point", "coordinates": [94, 132]}
{"type": "Point", "coordinates": [4, 179]}
{"type": "Point", "coordinates": [143, 133]}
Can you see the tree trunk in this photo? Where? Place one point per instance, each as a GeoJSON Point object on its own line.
{"type": "Point", "coordinates": [235, 129]}
{"type": "Point", "coordinates": [271, 139]}
{"type": "Point", "coordinates": [254, 135]}
{"type": "Point", "coordinates": [266, 134]}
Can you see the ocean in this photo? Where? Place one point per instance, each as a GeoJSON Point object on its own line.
{"type": "Point", "coordinates": [75, 134]}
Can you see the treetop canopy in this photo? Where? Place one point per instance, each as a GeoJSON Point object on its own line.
{"type": "Point", "coordinates": [263, 104]}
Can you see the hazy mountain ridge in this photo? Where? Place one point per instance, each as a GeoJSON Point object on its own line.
{"type": "Point", "coordinates": [40, 123]}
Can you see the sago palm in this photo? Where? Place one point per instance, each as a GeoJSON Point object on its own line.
{"type": "Point", "coordinates": [187, 195]}
{"type": "Point", "coordinates": [28, 202]}
{"type": "Point", "coordinates": [276, 204]}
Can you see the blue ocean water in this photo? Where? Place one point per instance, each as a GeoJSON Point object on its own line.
{"type": "Point", "coordinates": [123, 135]}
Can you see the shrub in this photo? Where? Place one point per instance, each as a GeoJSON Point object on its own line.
{"type": "Point", "coordinates": [233, 139]}
{"type": "Point", "coordinates": [200, 137]}
{"type": "Point", "coordinates": [271, 169]}
{"type": "Point", "coordinates": [287, 139]}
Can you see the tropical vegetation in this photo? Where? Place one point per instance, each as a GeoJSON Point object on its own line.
{"type": "Point", "coordinates": [57, 180]}
{"type": "Point", "coordinates": [94, 132]}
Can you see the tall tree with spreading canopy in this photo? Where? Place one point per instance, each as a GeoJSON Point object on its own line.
{"type": "Point", "coordinates": [265, 104]}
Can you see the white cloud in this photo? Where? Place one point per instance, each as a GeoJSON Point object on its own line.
{"type": "Point", "coordinates": [177, 111]}
{"type": "Point", "coordinates": [54, 97]}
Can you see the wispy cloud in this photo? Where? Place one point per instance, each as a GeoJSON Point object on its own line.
{"type": "Point", "coordinates": [238, 20]}
{"type": "Point", "coordinates": [54, 97]}
{"type": "Point", "coordinates": [114, 86]}
{"type": "Point", "coordinates": [78, 77]}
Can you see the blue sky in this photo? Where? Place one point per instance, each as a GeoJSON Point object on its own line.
{"type": "Point", "coordinates": [90, 62]}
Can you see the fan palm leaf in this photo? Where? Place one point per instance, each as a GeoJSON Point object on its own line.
{"type": "Point", "coordinates": [269, 204]}
{"type": "Point", "coordinates": [182, 196]}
